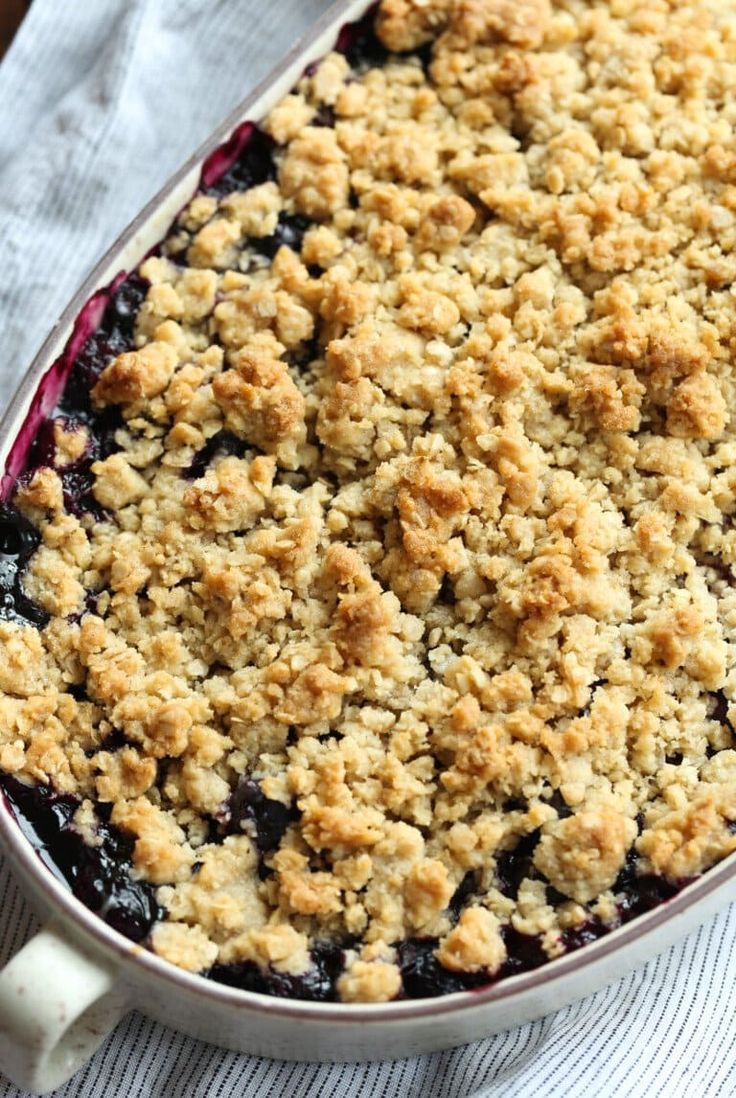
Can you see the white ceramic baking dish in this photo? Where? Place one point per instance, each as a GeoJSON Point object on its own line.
{"type": "Point", "coordinates": [62, 994]}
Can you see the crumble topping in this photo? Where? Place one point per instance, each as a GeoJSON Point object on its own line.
{"type": "Point", "coordinates": [402, 607]}
{"type": "Point", "coordinates": [474, 944]}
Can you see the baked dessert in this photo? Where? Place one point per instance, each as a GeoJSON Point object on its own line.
{"type": "Point", "coordinates": [367, 604]}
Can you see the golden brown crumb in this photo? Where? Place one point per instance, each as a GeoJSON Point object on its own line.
{"type": "Point", "coordinates": [473, 945]}
{"type": "Point", "coordinates": [279, 946]}
{"type": "Point", "coordinates": [314, 173]}
{"type": "Point", "coordinates": [231, 496]}
{"type": "Point", "coordinates": [684, 842]}
{"type": "Point", "coordinates": [582, 855]}
{"type": "Point", "coordinates": [136, 375]}
{"type": "Point", "coordinates": [259, 400]}
{"type": "Point", "coordinates": [185, 946]}
{"type": "Point", "coordinates": [369, 982]}
{"type": "Point", "coordinates": [405, 24]}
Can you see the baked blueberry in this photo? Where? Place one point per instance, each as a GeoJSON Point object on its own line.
{"type": "Point", "coordinates": [223, 443]}
{"type": "Point", "coordinates": [18, 541]}
{"type": "Point", "coordinates": [253, 165]}
{"type": "Point", "coordinates": [316, 984]}
{"type": "Point", "coordinates": [99, 874]}
{"type": "Point", "coordinates": [424, 977]}
{"type": "Point", "coordinates": [289, 232]}
{"type": "Point", "coordinates": [248, 806]}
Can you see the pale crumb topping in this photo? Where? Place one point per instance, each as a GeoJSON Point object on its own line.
{"type": "Point", "coordinates": [279, 946]}
{"type": "Point", "coordinates": [369, 982]}
{"type": "Point", "coordinates": [185, 946]}
{"type": "Point", "coordinates": [583, 855]}
{"type": "Point", "coordinates": [474, 944]}
{"type": "Point", "coordinates": [420, 522]}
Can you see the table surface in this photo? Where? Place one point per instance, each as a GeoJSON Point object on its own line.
{"type": "Point", "coordinates": [11, 15]}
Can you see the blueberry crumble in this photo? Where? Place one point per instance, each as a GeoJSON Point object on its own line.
{"type": "Point", "coordinates": [367, 615]}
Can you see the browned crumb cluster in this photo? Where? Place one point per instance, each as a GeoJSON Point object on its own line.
{"type": "Point", "coordinates": [472, 576]}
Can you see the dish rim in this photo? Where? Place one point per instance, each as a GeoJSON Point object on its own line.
{"type": "Point", "coordinates": [26, 858]}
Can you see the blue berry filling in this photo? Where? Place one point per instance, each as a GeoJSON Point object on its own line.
{"type": "Point", "coordinates": [289, 231]}
{"type": "Point", "coordinates": [317, 984]}
{"type": "Point", "coordinates": [18, 542]}
{"type": "Point", "coordinates": [249, 809]}
{"type": "Point", "coordinates": [114, 335]}
{"type": "Point", "coordinates": [361, 45]}
{"type": "Point", "coordinates": [223, 443]}
{"type": "Point", "coordinates": [424, 977]}
{"type": "Point", "coordinates": [98, 875]}
{"type": "Point", "coordinates": [513, 866]}
{"type": "Point", "coordinates": [254, 165]}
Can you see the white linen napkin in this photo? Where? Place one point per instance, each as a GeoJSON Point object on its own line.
{"type": "Point", "coordinates": [99, 102]}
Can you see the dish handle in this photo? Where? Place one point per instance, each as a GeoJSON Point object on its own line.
{"type": "Point", "coordinates": [58, 1003]}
